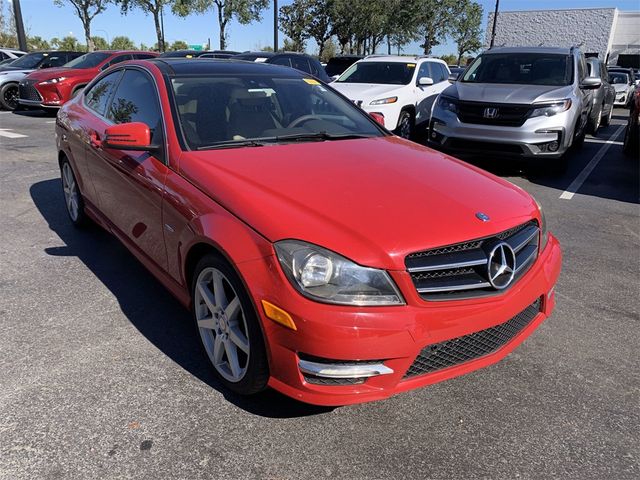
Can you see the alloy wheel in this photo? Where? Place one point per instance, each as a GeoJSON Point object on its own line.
{"type": "Point", "coordinates": [405, 127]}
{"type": "Point", "coordinates": [222, 324]}
{"type": "Point", "coordinates": [10, 97]}
{"type": "Point", "coordinates": [70, 192]}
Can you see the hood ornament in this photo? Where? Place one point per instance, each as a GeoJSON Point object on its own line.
{"type": "Point", "coordinates": [482, 216]}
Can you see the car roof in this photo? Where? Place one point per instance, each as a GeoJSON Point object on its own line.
{"type": "Point", "coordinates": [401, 58]}
{"type": "Point", "coordinates": [555, 50]}
{"type": "Point", "coordinates": [219, 66]}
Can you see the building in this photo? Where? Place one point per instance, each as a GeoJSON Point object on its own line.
{"type": "Point", "coordinates": [610, 34]}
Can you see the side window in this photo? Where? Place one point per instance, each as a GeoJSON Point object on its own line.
{"type": "Point", "coordinates": [300, 63]}
{"type": "Point", "coordinates": [314, 68]}
{"type": "Point", "coordinates": [136, 100]}
{"type": "Point", "coordinates": [3, 56]}
{"type": "Point", "coordinates": [443, 72]}
{"type": "Point", "coordinates": [282, 61]}
{"type": "Point", "coordinates": [143, 56]}
{"type": "Point", "coordinates": [114, 60]}
{"type": "Point", "coordinates": [54, 61]}
{"type": "Point", "coordinates": [98, 95]}
{"type": "Point", "coordinates": [425, 71]}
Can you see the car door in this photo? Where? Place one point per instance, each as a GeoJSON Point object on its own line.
{"type": "Point", "coordinates": [130, 184]}
{"type": "Point", "coordinates": [609, 91]}
{"type": "Point", "coordinates": [426, 94]}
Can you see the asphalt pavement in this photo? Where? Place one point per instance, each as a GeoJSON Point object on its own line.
{"type": "Point", "coordinates": [101, 374]}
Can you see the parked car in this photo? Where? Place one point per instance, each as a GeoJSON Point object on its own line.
{"type": "Point", "coordinates": [631, 146]}
{"type": "Point", "coordinates": [7, 61]}
{"type": "Point", "coordinates": [603, 97]}
{"type": "Point", "coordinates": [11, 75]}
{"type": "Point", "coordinates": [299, 61]}
{"type": "Point", "coordinates": [53, 87]}
{"type": "Point", "coordinates": [624, 86]}
{"type": "Point", "coordinates": [400, 89]}
{"type": "Point", "coordinates": [457, 71]}
{"type": "Point", "coordinates": [517, 101]}
{"type": "Point", "coordinates": [336, 65]}
{"type": "Point", "coordinates": [318, 254]}
{"type": "Point", "coordinates": [199, 54]}
{"type": "Point", "coordinates": [219, 54]}
{"type": "Point", "coordinates": [6, 53]}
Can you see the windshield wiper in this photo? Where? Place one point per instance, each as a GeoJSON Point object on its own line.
{"type": "Point", "coordinates": [232, 144]}
{"type": "Point", "coordinates": [303, 137]}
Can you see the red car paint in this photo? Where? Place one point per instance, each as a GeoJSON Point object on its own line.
{"type": "Point", "coordinates": [372, 200]}
{"type": "Point", "coordinates": [57, 94]}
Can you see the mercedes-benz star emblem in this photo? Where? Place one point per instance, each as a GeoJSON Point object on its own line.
{"type": "Point", "coordinates": [501, 266]}
{"type": "Point", "coordinates": [482, 216]}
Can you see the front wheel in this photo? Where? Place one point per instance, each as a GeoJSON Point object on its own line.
{"type": "Point", "coordinates": [228, 327]}
{"type": "Point", "coordinates": [405, 125]}
{"type": "Point", "coordinates": [9, 95]}
{"type": "Point", "coordinates": [72, 197]}
{"type": "Point", "coordinates": [606, 121]}
{"type": "Point", "coordinates": [593, 123]}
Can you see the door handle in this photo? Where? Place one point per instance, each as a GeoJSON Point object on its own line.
{"type": "Point", "coordinates": [94, 140]}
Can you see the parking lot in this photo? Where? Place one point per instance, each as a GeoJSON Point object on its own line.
{"type": "Point", "coordinates": [101, 374]}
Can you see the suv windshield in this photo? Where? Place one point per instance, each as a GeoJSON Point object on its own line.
{"type": "Point", "coordinates": [30, 60]}
{"type": "Point", "coordinates": [521, 69]}
{"type": "Point", "coordinates": [393, 73]}
{"type": "Point", "coordinates": [254, 110]}
{"type": "Point", "coordinates": [337, 65]}
{"type": "Point", "coordinates": [88, 60]}
{"type": "Point", "coordinates": [618, 78]}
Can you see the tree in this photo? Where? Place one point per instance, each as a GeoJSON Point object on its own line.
{"type": "Point", "coordinates": [329, 51]}
{"type": "Point", "coordinates": [244, 11]}
{"type": "Point", "coordinates": [466, 30]}
{"type": "Point", "coordinates": [153, 7]}
{"type": "Point", "coordinates": [8, 36]}
{"type": "Point", "coordinates": [122, 42]}
{"type": "Point", "coordinates": [86, 10]}
{"type": "Point", "coordinates": [435, 20]}
{"type": "Point", "coordinates": [67, 43]}
{"type": "Point", "coordinates": [293, 20]}
{"type": "Point", "coordinates": [37, 43]}
{"type": "Point", "coordinates": [450, 59]}
{"type": "Point", "coordinates": [319, 26]}
{"type": "Point", "coordinates": [100, 43]}
{"type": "Point", "coordinates": [179, 45]}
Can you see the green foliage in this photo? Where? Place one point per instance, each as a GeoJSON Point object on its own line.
{"type": "Point", "coordinates": [149, 7]}
{"type": "Point", "coordinates": [86, 11]}
{"type": "Point", "coordinates": [450, 59]}
{"type": "Point", "coordinates": [67, 43]}
{"type": "Point", "coordinates": [37, 43]}
{"type": "Point", "coordinates": [467, 30]}
{"type": "Point", "coordinates": [293, 21]}
{"type": "Point", "coordinates": [100, 43]}
{"type": "Point", "coordinates": [122, 43]}
{"type": "Point", "coordinates": [329, 51]}
{"type": "Point", "coordinates": [435, 20]}
{"type": "Point", "coordinates": [178, 45]}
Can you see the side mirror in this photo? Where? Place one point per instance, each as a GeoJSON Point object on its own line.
{"type": "Point", "coordinates": [129, 136]}
{"type": "Point", "coordinates": [591, 83]}
{"type": "Point", "coordinates": [453, 77]}
{"type": "Point", "coordinates": [335, 77]}
{"type": "Point", "coordinates": [425, 81]}
{"type": "Point", "coordinates": [378, 117]}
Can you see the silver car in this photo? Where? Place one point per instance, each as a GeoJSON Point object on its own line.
{"type": "Point", "coordinates": [529, 102]}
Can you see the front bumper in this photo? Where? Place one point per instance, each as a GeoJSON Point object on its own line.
{"type": "Point", "coordinates": [621, 99]}
{"type": "Point", "coordinates": [390, 111]}
{"type": "Point", "coordinates": [389, 336]}
{"type": "Point", "coordinates": [43, 96]}
{"type": "Point", "coordinates": [531, 140]}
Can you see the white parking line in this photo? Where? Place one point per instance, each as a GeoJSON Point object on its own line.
{"type": "Point", "coordinates": [4, 132]}
{"type": "Point", "coordinates": [586, 171]}
{"type": "Point", "coordinates": [599, 140]}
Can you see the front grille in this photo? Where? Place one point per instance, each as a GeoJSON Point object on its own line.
{"type": "Point", "coordinates": [506, 116]}
{"type": "Point", "coordinates": [461, 270]}
{"type": "Point", "coordinates": [469, 347]}
{"type": "Point", "coordinates": [483, 147]}
{"type": "Point", "coordinates": [29, 92]}
{"type": "Point", "coordinates": [333, 381]}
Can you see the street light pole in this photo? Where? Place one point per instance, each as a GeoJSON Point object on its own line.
{"type": "Point", "coordinates": [495, 20]}
{"type": "Point", "coordinates": [275, 25]}
{"type": "Point", "coordinates": [17, 14]}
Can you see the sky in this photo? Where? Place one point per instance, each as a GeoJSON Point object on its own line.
{"type": "Point", "coordinates": [43, 18]}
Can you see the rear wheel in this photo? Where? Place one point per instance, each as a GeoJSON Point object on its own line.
{"type": "Point", "coordinates": [606, 120]}
{"type": "Point", "coordinates": [595, 118]}
{"type": "Point", "coordinates": [72, 198]}
{"type": "Point", "coordinates": [9, 95]}
{"type": "Point", "coordinates": [228, 327]}
{"type": "Point", "coordinates": [405, 125]}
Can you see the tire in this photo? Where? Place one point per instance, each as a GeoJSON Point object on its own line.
{"type": "Point", "coordinates": [578, 138]}
{"type": "Point", "coordinates": [593, 122]}
{"type": "Point", "coordinates": [631, 145]}
{"type": "Point", "coordinates": [606, 121]}
{"type": "Point", "coordinates": [72, 196]}
{"type": "Point", "coordinates": [405, 125]}
{"type": "Point", "coordinates": [9, 95]}
{"type": "Point", "coordinates": [229, 330]}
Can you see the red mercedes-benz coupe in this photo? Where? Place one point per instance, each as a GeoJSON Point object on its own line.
{"type": "Point", "coordinates": [52, 87]}
{"type": "Point", "coordinates": [320, 255]}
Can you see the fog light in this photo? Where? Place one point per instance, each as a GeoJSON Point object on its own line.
{"type": "Point", "coordinates": [553, 146]}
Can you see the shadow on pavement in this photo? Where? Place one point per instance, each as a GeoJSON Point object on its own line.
{"type": "Point", "coordinates": [147, 304]}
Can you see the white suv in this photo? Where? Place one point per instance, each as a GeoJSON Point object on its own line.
{"type": "Point", "coordinates": [401, 89]}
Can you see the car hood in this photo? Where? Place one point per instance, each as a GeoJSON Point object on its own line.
{"type": "Point", "coordinates": [620, 87]}
{"type": "Point", "coordinates": [371, 200]}
{"type": "Point", "coordinates": [10, 75]}
{"type": "Point", "coordinates": [365, 91]}
{"type": "Point", "coordinates": [501, 93]}
{"type": "Point", "coordinates": [49, 73]}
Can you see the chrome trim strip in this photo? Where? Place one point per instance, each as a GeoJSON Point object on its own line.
{"type": "Point", "coordinates": [521, 245]}
{"type": "Point", "coordinates": [446, 266]}
{"type": "Point", "coordinates": [343, 370]}
{"type": "Point", "coordinates": [450, 288]}
{"type": "Point", "coordinates": [526, 261]}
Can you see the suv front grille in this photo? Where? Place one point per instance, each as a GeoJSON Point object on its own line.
{"type": "Point", "coordinates": [29, 92]}
{"type": "Point", "coordinates": [506, 115]}
{"type": "Point", "coordinates": [469, 347]}
{"type": "Point", "coordinates": [461, 270]}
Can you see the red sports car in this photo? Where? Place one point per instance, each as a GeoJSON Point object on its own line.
{"type": "Point", "coordinates": [319, 254]}
{"type": "Point", "coordinates": [51, 88]}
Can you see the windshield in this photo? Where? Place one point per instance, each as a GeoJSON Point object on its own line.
{"type": "Point", "coordinates": [30, 60]}
{"type": "Point", "coordinates": [221, 111]}
{"type": "Point", "coordinates": [521, 69]}
{"type": "Point", "coordinates": [387, 73]}
{"type": "Point", "coordinates": [618, 78]}
{"type": "Point", "coordinates": [337, 65]}
{"type": "Point", "coordinates": [88, 60]}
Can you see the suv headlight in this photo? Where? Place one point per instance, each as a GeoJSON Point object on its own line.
{"type": "Point", "coordinates": [447, 103]}
{"type": "Point", "coordinates": [384, 101]}
{"type": "Point", "coordinates": [544, 235]}
{"type": "Point", "coordinates": [53, 80]}
{"type": "Point", "coordinates": [550, 109]}
{"type": "Point", "coordinates": [325, 276]}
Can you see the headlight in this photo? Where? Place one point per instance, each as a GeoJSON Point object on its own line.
{"type": "Point", "coordinates": [544, 236]}
{"type": "Point", "coordinates": [447, 103]}
{"type": "Point", "coordinates": [550, 109]}
{"type": "Point", "coordinates": [324, 276]}
{"type": "Point", "coordinates": [53, 80]}
{"type": "Point", "coordinates": [384, 101]}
